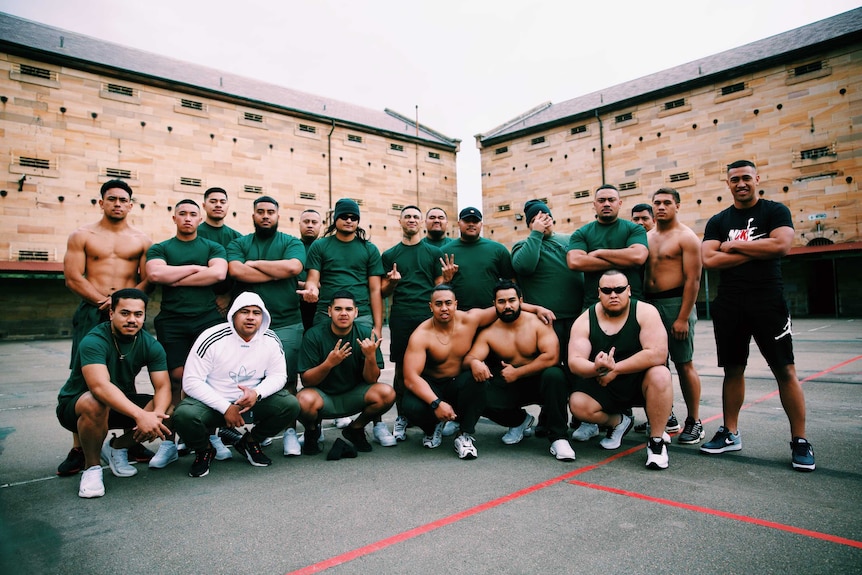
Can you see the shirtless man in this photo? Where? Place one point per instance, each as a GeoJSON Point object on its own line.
{"type": "Point", "coordinates": [672, 281]}
{"type": "Point", "coordinates": [438, 390]}
{"type": "Point", "coordinates": [101, 258]}
{"type": "Point", "coordinates": [527, 372]}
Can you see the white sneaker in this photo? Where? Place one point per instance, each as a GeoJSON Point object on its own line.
{"type": "Point", "coordinates": [451, 428]}
{"type": "Point", "coordinates": [433, 441]}
{"type": "Point", "coordinates": [464, 447]}
{"type": "Point", "coordinates": [399, 430]}
{"type": "Point", "coordinates": [91, 483]}
{"type": "Point", "coordinates": [222, 452]}
{"type": "Point", "coordinates": [657, 452]}
{"type": "Point", "coordinates": [118, 460]}
{"type": "Point", "coordinates": [382, 435]}
{"type": "Point", "coordinates": [166, 455]}
{"type": "Point", "coordinates": [291, 443]}
{"type": "Point", "coordinates": [343, 422]}
{"type": "Point", "coordinates": [562, 450]}
{"type": "Point", "coordinates": [266, 441]}
{"type": "Point", "coordinates": [615, 435]}
{"type": "Point", "coordinates": [516, 434]}
{"type": "Point", "coordinates": [585, 432]}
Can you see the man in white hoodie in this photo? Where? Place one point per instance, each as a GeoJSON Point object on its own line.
{"type": "Point", "coordinates": [233, 368]}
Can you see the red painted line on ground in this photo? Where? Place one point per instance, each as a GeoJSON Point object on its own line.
{"type": "Point", "coordinates": [442, 522]}
{"type": "Point", "coordinates": [724, 514]}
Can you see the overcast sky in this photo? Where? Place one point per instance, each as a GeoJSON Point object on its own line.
{"type": "Point", "coordinates": [469, 65]}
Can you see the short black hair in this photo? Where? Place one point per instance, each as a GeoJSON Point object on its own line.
{"type": "Point", "coordinates": [342, 294]}
{"type": "Point", "coordinates": [309, 210]}
{"type": "Point", "coordinates": [504, 284]}
{"type": "Point", "coordinates": [111, 184]}
{"type": "Point", "coordinates": [741, 164]}
{"type": "Point", "coordinates": [128, 293]}
{"type": "Point", "coordinates": [411, 207]}
{"type": "Point", "coordinates": [669, 191]}
{"type": "Point", "coordinates": [187, 201]}
{"type": "Point", "coordinates": [643, 208]}
{"type": "Point", "coordinates": [608, 187]}
{"type": "Point", "coordinates": [437, 208]}
{"type": "Point", "coordinates": [265, 199]}
{"type": "Point", "coordinates": [442, 287]}
{"type": "Point", "coordinates": [214, 191]}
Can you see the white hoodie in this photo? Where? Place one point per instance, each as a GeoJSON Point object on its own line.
{"type": "Point", "coordinates": [220, 361]}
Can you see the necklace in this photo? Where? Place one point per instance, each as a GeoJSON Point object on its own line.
{"type": "Point", "coordinates": [438, 331]}
{"type": "Point", "coordinates": [116, 345]}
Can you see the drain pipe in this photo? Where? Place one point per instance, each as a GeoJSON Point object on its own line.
{"type": "Point", "coordinates": [329, 156]}
{"type": "Point", "coordinates": [601, 144]}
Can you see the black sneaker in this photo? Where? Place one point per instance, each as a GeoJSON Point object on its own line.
{"type": "Point", "coordinates": [73, 464]}
{"type": "Point", "coordinates": [803, 454]}
{"type": "Point", "coordinates": [311, 442]}
{"type": "Point", "coordinates": [251, 450]}
{"type": "Point", "coordinates": [642, 427]}
{"type": "Point", "coordinates": [357, 438]}
{"type": "Point", "coordinates": [203, 458]}
{"type": "Point", "coordinates": [672, 425]}
{"type": "Point", "coordinates": [228, 435]}
{"type": "Point", "coordinates": [139, 453]}
{"type": "Point", "coordinates": [692, 432]}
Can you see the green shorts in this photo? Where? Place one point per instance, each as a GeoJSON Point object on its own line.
{"type": "Point", "coordinates": [680, 351]}
{"type": "Point", "coordinates": [291, 339]}
{"type": "Point", "coordinates": [343, 404]}
{"type": "Point", "coordinates": [177, 334]}
{"type": "Point", "coordinates": [86, 317]}
{"type": "Point", "coordinates": [69, 418]}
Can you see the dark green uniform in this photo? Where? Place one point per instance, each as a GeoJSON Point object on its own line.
{"type": "Point", "coordinates": [186, 301]}
{"type": "Point", "coordinates": [223, 235]}
{"type": "Point", "coordinates": [441, 243]}
{"type": "Point", "coordinates": [316, 345]}
{"type": "Point", "coordinates": [480, 265]}
{"type": "Point", "coordinates": [344, 265]}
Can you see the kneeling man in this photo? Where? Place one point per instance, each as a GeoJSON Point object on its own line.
{"type": "Point", "coordinates": [618, 350]}
{"type": "Point", "coordinates": [100, 393]}
{"type": "Point", "coordinates": [526, 373]}
{"type": "Point", "coordinates": [233, 368]}
{"type": "Point", "coordinates": [337, 382]}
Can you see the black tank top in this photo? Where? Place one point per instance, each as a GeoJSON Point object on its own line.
{"type": "Point", "coordinates": [626, 341]}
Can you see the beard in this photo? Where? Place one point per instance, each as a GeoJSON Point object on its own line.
{"type": "Point", "coordinates": [510, 316]}
{"type": "Point", "coordinates": [265, 233]}
{"type": "Point", "coordinates": [436, 234]}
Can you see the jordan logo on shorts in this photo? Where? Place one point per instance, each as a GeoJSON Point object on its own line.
{"type": "Point", "coordinates": [787, 330]}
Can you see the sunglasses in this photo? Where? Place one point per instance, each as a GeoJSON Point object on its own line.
{"type": "Point", "coordinates": [617, 290]}
{"type": "Point", "coordinates": [349, 217]}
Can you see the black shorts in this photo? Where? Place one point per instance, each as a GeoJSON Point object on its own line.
{"type": "Point", "coordinates": [178, 333]}
{"type": "Point", "coordinates": [400, 330]}
{"type": "Point", "coordinates": [736, 320]}
{"type": "Point", "coordinates": [116, 420]}
{"type": "Point", "coordinates": [622, 393]}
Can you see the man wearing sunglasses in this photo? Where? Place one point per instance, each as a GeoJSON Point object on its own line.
{"type": "Point", "coordinates": [618, 350]}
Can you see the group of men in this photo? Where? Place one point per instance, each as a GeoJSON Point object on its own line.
{"type": "Point", "coordinates": [581, 325]}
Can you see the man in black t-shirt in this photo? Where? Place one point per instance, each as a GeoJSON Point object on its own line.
{"type": "Point", "coordinates": [745, 242]}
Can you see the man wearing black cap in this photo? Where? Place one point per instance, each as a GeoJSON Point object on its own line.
{"type": "Point", "coordinates": [267, 262]}
{"type": "Point", "coordinates": [487, 261]}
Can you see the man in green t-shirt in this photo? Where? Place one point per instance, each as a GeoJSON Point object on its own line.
{"type": "Point", "coordinates": [214, 229]}
{"type": "Point", "coordinates": [436, 224]}
{"type": "Point", "coordinates": [100, 393]}
{"type": "Point", "coordinates": [310, 223]}
{"type": "Point", "coordinates": [337, 382]}
{"type": "Point", "coordinates": [483, 262]}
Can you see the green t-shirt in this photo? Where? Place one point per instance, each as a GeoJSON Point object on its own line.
{"type": "Point", "coordinates": [279, 296]}
{"type": "Point", "coordinates": [98, 347]}
{"type": "Point", "coordinates": [616, 235]}
{"type": "Point", "coordinates": [419, 266]}
{"type": "Point", "coordinates": [545, 277]}
{"type": "Point", "coordinates": [480, 265]}
{"type": "Point", "coordinates": [441, 243]}
{"type": "Point", "coordinates": [306, 243]}
{"type": "Point", "coordinates": [344, 265]}
{"type": "Point", "coordinates": [223, 236]}
{"type": "Point", "coordinates": [186, 300]}
{"type": "Point", "coordinates": [316, 345]}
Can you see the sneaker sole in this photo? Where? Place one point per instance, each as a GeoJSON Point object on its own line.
{"type": "Point", "coordinates": [204, 474]}
{"type": "Point", "coordinates": [255, 463]}
{"type": "Point", "coordinates": [717, 450]}
{"type": "Point", "coordinates": [554, 453]}
{"type": "Point", "coordinates": [692, 441]}
{"type": "Point", "coordinates": [672, 429]}
{"type": "Point", "coordinates": [802, 467]}
{"type": "Point", "coordinates": [656, 465]}
{"type": "Point", "coordinates": [466, 456]}
{"type": "Point", "coordinates": [91, 495]}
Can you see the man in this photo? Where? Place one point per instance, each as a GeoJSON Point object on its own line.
{"type": "Point", "coordinates": [235, 367]}
{"type": "Point", "coordinates": [436, 225]}
{"type": "Point", "coordinates": [337, 382]}
{"type": "Point", "coordinates": [618, 349]}
{"type": "Point", "coordinates": [214, 229]}
{"type": "Point", "coordinates": [642, 215]}
{"type": "Point", "coordinates": [487, 262]}
{"type": "Point", "coordinates": [100, 393]}
{"type": "Point", "coordinates": [527, 371]}
{"type": "Point", "coordinates": [186, 266]}
{"type": "Point", "coordinates": [745, 242]}
{"type": "Point", "coordinates": [672, 281]}
{"type": "Point", "coordinates": [101, 258]}
{"type": "Point", "coordinates": [413, 269]}
{"type": "Point", "coordinates": [268, 262]}
{"type": "Point", "coordinates": [606, 243]}
{"type": "Point", "coordinates": [309, 230]}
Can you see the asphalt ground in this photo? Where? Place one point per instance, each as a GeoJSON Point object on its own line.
{"type": "Point", "coordinates": [406, 509]}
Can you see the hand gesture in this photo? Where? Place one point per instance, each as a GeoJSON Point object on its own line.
{"type": "Point", "coordinates": [394, 275]}
{"type": "Point", "coordinates": [339, 353]}
{"type": "Point", "coordinates": [509, 374]}
{"type": "Point", "coordinates": [542, 223]}
{"type": "Point", "coordinates": [480, 370]}
{"type": "Point", "coordinates": [149, 426]}
{"type": "Point", "coordinates": [309, 294]}
{"type": "Point", "coordinates": [450, 268]}
{"type": "Point", "coordinates": [247, 400]}
{"type": "Point", "coordinates": [605, 365]}
{"type": "Point", "coordinates": [370, 345]}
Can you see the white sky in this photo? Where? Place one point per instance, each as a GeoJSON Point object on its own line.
{"type": "Point", "coordinates": [469, 65]}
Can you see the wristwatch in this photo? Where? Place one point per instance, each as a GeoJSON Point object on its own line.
{"type": "Point", "coordinates": [435, 404]}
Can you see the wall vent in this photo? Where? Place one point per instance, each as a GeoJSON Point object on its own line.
{"type": "Point", "coordinates": [195, 182]}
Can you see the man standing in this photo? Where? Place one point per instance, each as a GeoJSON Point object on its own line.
{"type": "Point", "coordinates": [642, 215]}
{"type": "Point", "coordinates": [187, 267]}
{"type": "Point", "coordinates": [486, 262]}
{"type": "Point", "coordinates": [745, 242]}
{"type": "Point", "coordinates": [268, 262]}
{"type": "Point", "coordinates": [100, 393]}
{"type": "Point", "coordinates": [336, 382]}
{"type": "Point", "coordinates": [309, 230]}
{"type": "Point", "coordinates": [214, 229]}
{"type": "Point", "coordinates": [671, 284]}
{"type": "Point", "coordinates": [528, 371]}
{"type": "Point", "coordinates": [101, 258]}
{"type": "Point", "coordinates": [618, 349]}
{"type": "Point", "coordinates": [436, 224]}
{"type": "Point", "coordinates": [413, 269]}
{"type": "Point", "coordinates": [234, 368]}
{"type": "Point", "coordinates": [603, 244]}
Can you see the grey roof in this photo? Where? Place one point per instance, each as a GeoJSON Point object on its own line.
{"type": "Point", "coordinates": [723, 63]}
{"type": "Point", "coordinates": [71, 46]}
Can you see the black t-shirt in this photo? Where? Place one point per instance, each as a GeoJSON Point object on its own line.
{"type": "Point", "coordinates": [751, 224]}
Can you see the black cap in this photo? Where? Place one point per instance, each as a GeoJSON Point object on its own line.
{"type": "Point", "coordinates": [470, 213]}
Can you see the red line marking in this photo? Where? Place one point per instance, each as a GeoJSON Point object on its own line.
{"type": "Point", "coordinates": [428, 527]}
{"type": "Point", "coordinates": [724, 514]}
